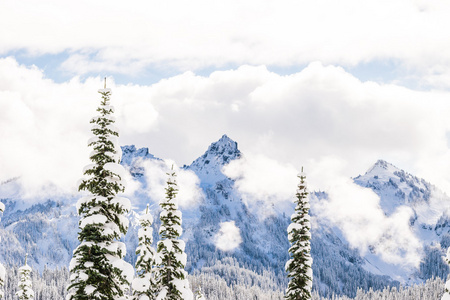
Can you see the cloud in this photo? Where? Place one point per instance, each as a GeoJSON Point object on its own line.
{"type": "Point", "coordinates": [357, 213]}
{"type": "Point", "coordinates": [43, 125]}
{"type": "Point", "coordinates": [284, 122]}
{"type": "Point", "coordinates": [133, 37]}
{"type": "Point", "coordinates": [321, 118]}
{"type": "Point", "coordinates": [229, 236]}
{"type": "Point", "coordinates": [189, 193]}
{"type": "Point", "coordinates": [263, 183]}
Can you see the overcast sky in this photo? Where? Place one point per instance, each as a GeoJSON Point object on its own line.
{"type": "Point", "coordinates": [294, 81]}
{"type": "Point", "coordinates": [329, 85]}
{"type": "Point", "coordinates": [299, 82]}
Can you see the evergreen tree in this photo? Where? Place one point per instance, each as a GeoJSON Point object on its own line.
{"type": "Point", "coordinates": [2, 268]}
{"type": "Point", "coordinates": [98, 271]}
{"type": "Point", "coordinates": [199, 295]}
{"type": "Point", "coordinates": [299, 266]}
{"type": "Point", "coordinates": [25, 291]}
{"type": "Point", "coordinates": [172, 276]}
{"type": "Point", "coordinates": [446, 295]}
{"type": "Point", "coordinates": [145, 283]}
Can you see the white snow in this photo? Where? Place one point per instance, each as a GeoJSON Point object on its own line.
{"type": "Point", "coordinates": [125, 203]}
{"type": "Point", "coordinates": [167, 244]}
{"type": "Point", "coordinates": [113, 128]}
{"type": "Point", "coordinates": [294, 226]}
{"type": "Point", "coordinates": [106, 90]}
{"type": "Point", "coordinates": [141, 284]}
{"type": "Point", "coordinates": [88, 167]}
{"type": "Point", "coordinates": [183, 286]}
{"type": "Point", "coordinates": [146, 218]}
{"type": "Point", "coordinates": [94, 219]}
{"type": "Point", "coordinates": [116, 169]}
{"type": "Point", "coordinates": [109, 107]}
{"type": "Point", "coordinates": [162, 294]}
{"type": "Point", "coordinates": [127, 269]}
{"type": "Point", "coordinates": [93, 139]}
{"type": "Point", "coordinates": [89, 289]}
{"type": "Point", "coordinates": [2, 272]}
{"type": "Point", "coordinates": [86, 199]}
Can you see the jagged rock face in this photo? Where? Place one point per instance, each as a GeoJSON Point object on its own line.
{"type": "Point", "coordinates": [130, 154]}
{"type": "Point", "coordinates": [208, 167]}
{"type": "Point", "coordinates": [131, 157]}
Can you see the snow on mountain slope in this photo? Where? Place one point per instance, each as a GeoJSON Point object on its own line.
{"type": "Point", "coordinates": [428, 206]}
{"type": "Point", "coordinates": [48, 230]}
{"type": "Point", "coordinates": [208, 167]}
{"type": "Point", "coordinates": [397, 188]}
{"type": "Point", "coordinates": [263, 247]}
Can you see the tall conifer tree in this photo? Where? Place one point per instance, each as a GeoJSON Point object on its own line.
{"type": "Point", "coordinates": [98, 271]}
{"type": "Point", "coordinates": [25, 291]}
{"type": "Point", "coordinates": [299, 266]}
{"type": "Point", "coordinates": [199, 295]}
{"type": "Point", "coordinates": [172, 276]}
{"type": "Point", "coordinates": [145, 286]}
{"type": "Point", "coordinates": [446, 295]}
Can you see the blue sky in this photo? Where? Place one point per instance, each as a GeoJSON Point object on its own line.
{"type": "Point", "coordinates": [144, 41]}
{"type": "Point", "coordinates": [384, 71]}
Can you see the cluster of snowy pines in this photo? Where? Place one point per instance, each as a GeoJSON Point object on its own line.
{"type": "Point", "coordinates": [98, 271]}
{"type": "Point", "coordinates": [52, 284]}
{"type": "Point", "coordinates": [25, 291]}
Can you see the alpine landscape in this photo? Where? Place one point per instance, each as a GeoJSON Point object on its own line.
{"type": "Point", "coordinates": [236, 249]}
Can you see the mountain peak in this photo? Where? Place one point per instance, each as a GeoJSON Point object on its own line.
{"type": "Point", "coordinates": [209, 166]}
{"type": "Point", "coordinates": [395, 187]}
{"type": "Point", "coordinates": [130, 154]}
{"type": "Point", "coordinates": [382, 167]}
{"type": "Point", "coordinates": [225, 147]}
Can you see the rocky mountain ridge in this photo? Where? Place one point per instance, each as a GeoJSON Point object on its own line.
{"type": "Point", "coordinates": [46, 230]}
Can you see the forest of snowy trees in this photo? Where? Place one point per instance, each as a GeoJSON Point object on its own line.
{"type": "Point", "coordinates": [52, 284]}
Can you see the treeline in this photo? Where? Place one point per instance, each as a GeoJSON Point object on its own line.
{"type": "Point", "coordinates": [51, 285]}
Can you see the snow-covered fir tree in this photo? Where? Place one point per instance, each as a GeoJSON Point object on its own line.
{"type": "Point", "coordinates": [2, 268]}
{"type": "Point", "coordinates": [299, 266]}
{"type": "Point", "coordinates": [446, 295]}
{"type": "Point", "coordinates": [172, 276]}
{"type": "Point", "coordinates": [145, 285]}
{"type": "Point", "coordinates": [25, 291]}
{"type": "Point", "coordinates": [199, 295]}
{"type": "Point", "coordinates": [98, 271]}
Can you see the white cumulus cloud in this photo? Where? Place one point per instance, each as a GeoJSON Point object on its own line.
{"type": "Point", "coordinates": [189, 193]}
{"type": "Point", "coordinates": [229, 236]}
{"type": "Point", "coordinates": [263, 183]}
{"type": "Point", "coordinates": [357, 213]}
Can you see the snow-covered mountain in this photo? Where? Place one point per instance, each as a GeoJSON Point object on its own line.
{"type": "Point", "coordinates": [208, 167]}
{"type": "Point", "coordinates": [48, 229]}
{"type": "Point", "coordinates": [428, 209]}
